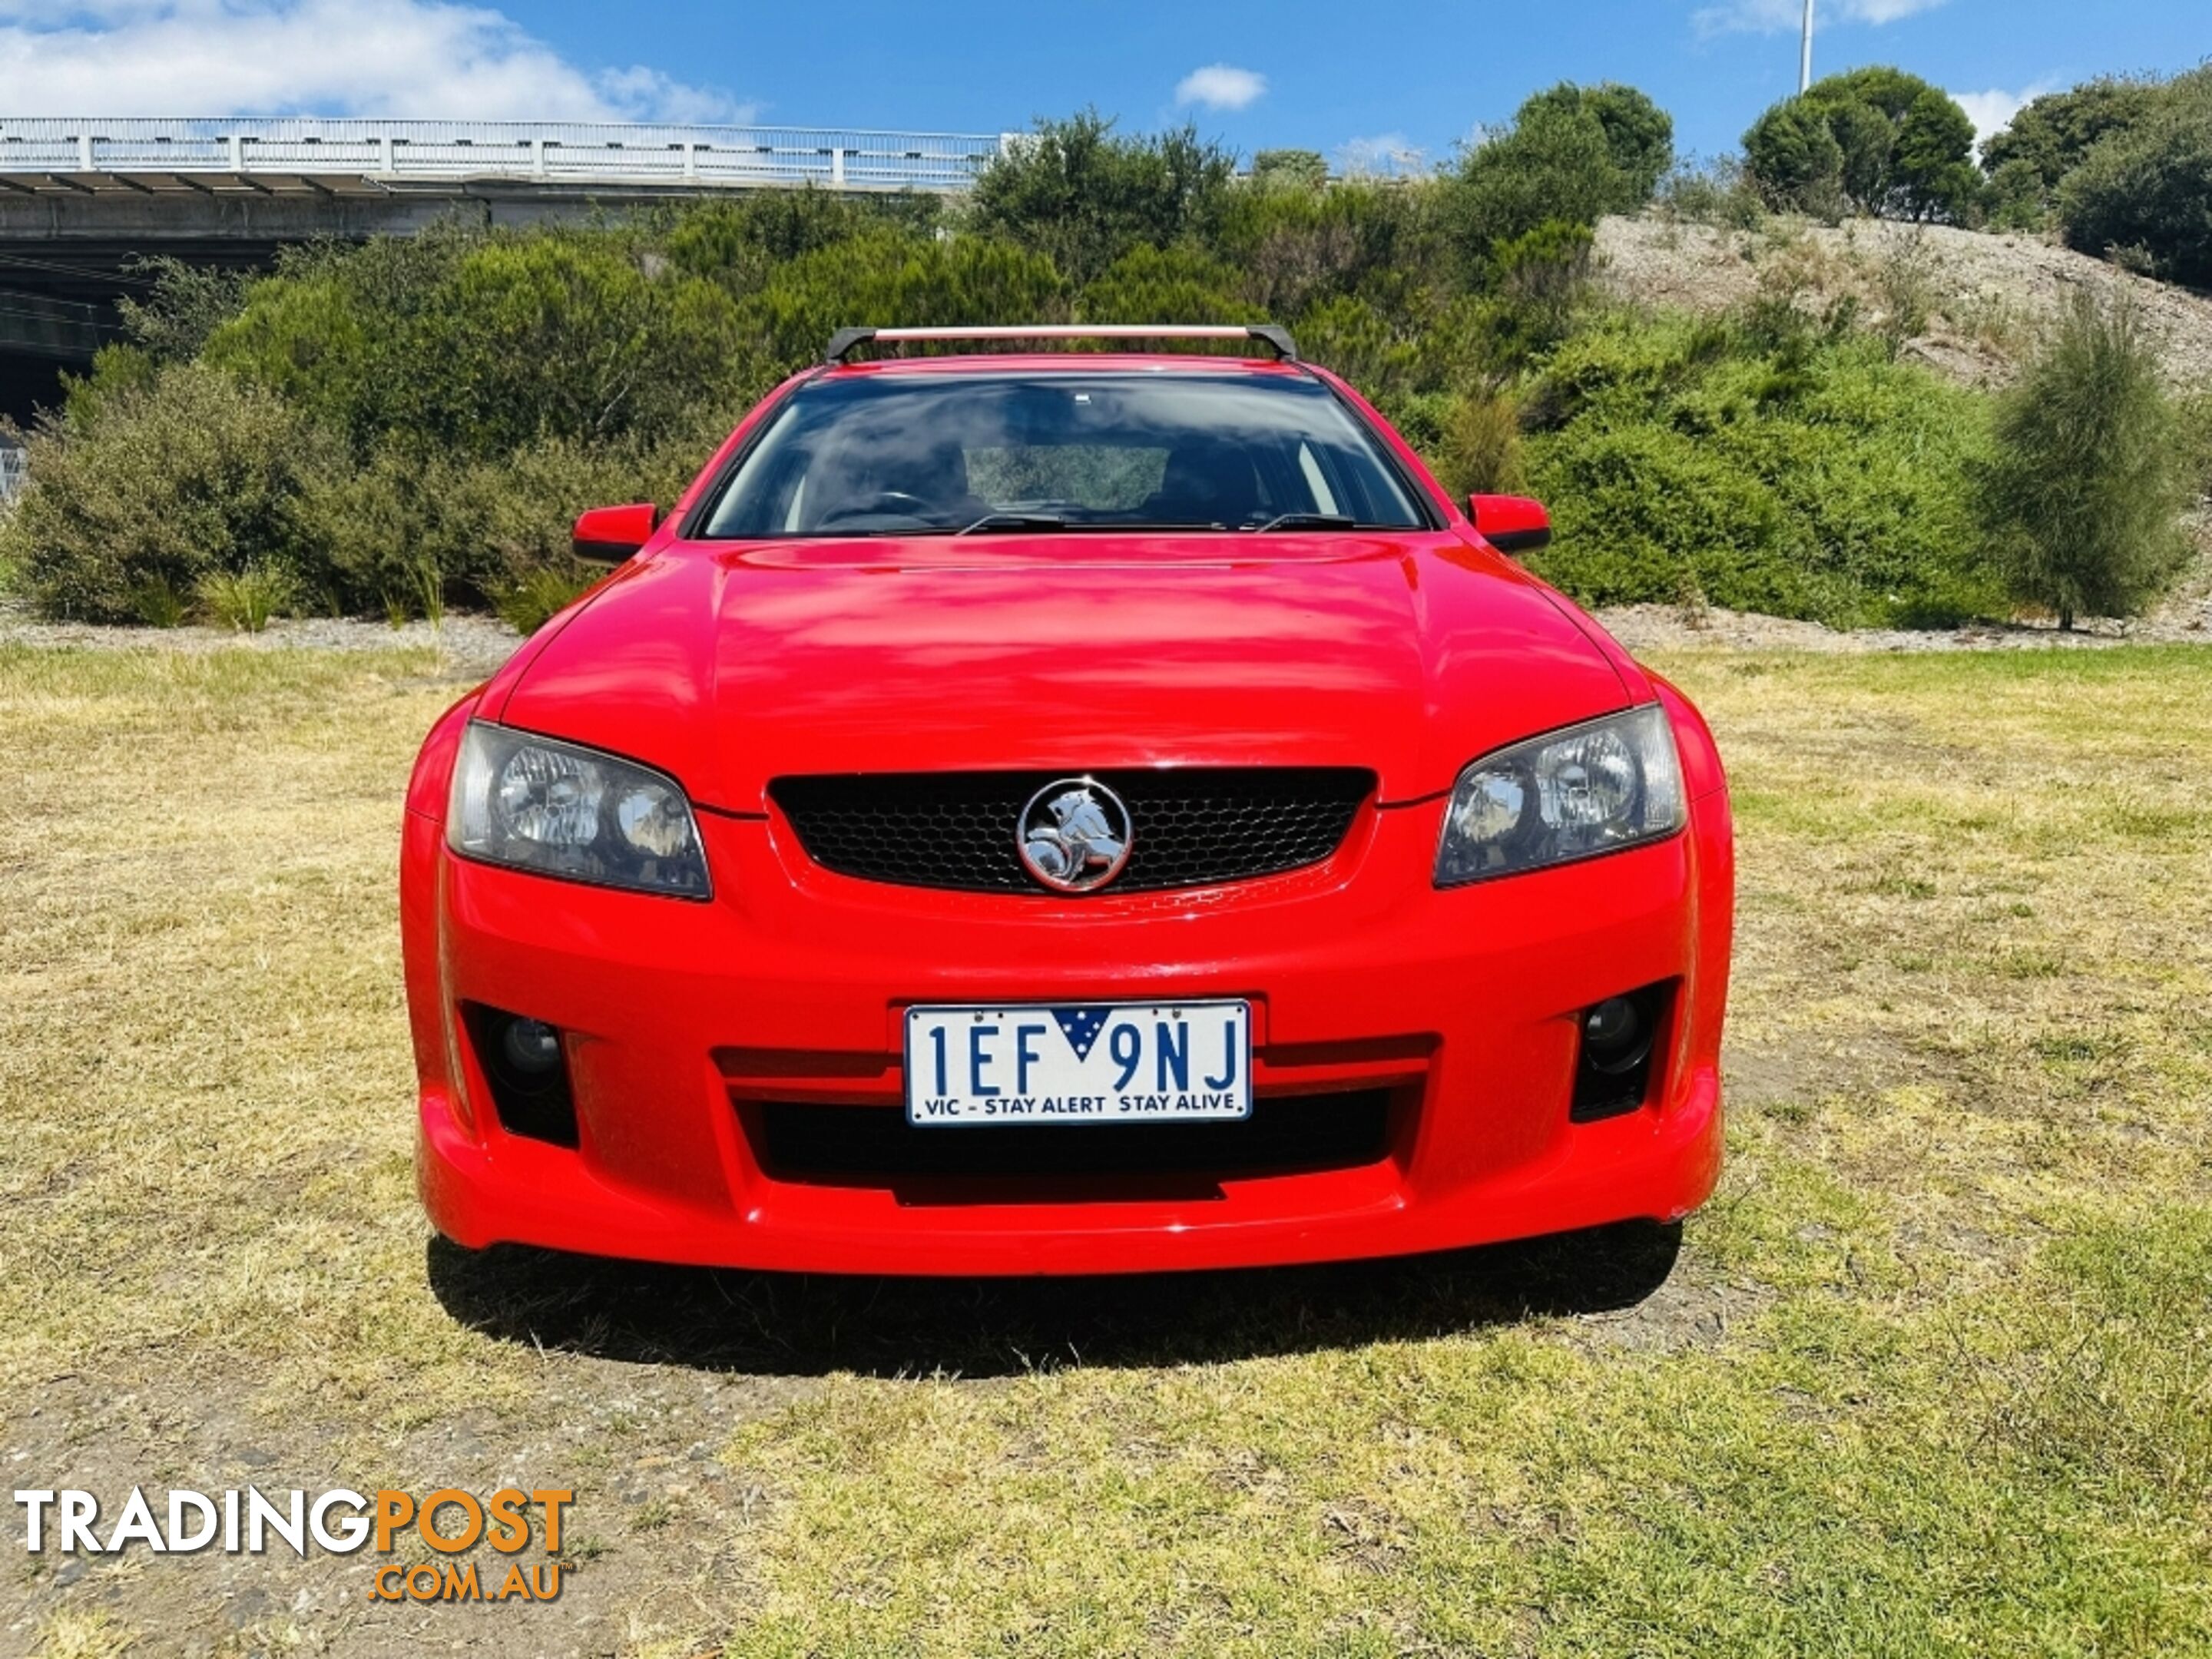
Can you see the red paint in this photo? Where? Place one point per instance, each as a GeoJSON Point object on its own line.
{"type": "Point", "coordinates": [728, 666]}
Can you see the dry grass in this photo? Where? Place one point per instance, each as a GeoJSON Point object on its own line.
{"type": "Point", "coordinates": [1931, 1376]}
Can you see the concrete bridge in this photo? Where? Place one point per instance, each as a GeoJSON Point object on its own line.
{"type": "Point", "coordinates": [82, 198]}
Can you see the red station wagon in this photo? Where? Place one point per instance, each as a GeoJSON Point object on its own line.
{"type": "Point", "coordinates": [1065, 812]}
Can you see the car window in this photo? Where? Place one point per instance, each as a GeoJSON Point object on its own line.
{"type": "Point", "coordinates": [913, 454]}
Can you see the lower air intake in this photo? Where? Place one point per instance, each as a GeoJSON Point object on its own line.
{"type": "Point", "coordinates": [874, 1146]}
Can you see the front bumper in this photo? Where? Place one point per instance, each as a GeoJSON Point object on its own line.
{"type": "Point", "coordinates": [683, 1019]}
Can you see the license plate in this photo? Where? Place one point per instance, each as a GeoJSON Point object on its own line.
{"type": "Point", "coordinates": [975, 1066]}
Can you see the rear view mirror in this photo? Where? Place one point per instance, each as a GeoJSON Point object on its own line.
{"type": "Point", "coordinates": [608, 535]}
{"type": "Point", "coordinates": [1511, 524]}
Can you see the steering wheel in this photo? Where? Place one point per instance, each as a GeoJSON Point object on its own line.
{"type": "Point", "coordinates": [904, 504]}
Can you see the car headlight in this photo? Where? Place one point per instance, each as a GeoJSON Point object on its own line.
{"type": "Point", "coordinates": [1590, 789]}
{"type": "Point", "coordinates": [539, 804]}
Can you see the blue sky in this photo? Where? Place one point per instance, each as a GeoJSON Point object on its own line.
{"type": "Point", "coordinates": [1363, 86]}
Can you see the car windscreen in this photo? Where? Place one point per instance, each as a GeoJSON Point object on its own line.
{"type": "Point", "coordinates": [921, 454]}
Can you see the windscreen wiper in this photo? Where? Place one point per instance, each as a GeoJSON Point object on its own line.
{"type": "Point", "coordinates": [1307, 521]}
{"type": "Point", "coordinates": [991, 521]}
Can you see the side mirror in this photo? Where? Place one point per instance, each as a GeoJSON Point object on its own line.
{"type": "Point", "coordinates": [1511, 524]}
{"type": "Point", "coordinates": [608, 535]}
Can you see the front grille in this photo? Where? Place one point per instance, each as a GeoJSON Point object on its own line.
{"type": "Point", "coordinates": [1190, 826]}
{"type": "Point", "coordinates": [875, 1145]}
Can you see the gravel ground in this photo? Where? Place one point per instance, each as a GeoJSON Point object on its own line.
{"type": "Point", "coordinates": [1664, 627]}
{"type": "Point", "coordinates": [472, 646]}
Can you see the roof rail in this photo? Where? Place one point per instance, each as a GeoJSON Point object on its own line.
{"type": "Point", "coordinates": [843, 342]}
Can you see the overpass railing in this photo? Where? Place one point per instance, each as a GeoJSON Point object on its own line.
{"type": "Point", "coordinates": [573, 152]}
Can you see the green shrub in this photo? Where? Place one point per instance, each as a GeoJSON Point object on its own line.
{"type": "Point", "coordinates": [1716, 192]}
{"type": "Point", "coordinates": [155, 602]}
{"type": "Point", "coordinates": [886, 278]}
{"type": "Point", "coordinates": [2149, 185]}
{"type": "Point", "coordinates": [532, 498]}
{"type": "Point", "coordinates": [117, 369]}
{"type": "Point", "coordinates": [182, 307]}
{"type": "Point", "coordinates": [1082, 195]}
{"type": "Point", "coordinates": [1539, 282]}
{"type": "Point", "coordinates": [196, 473]}
{"type": "Point", "coordinates": [377, 526]}
{"type": "Point", "coordinates": [402, 532]}
{"type": "Point", "coordinates": [2083, 496]}
{"type": "Point", "coordinates": [1352, 336]}
{"type": "Point", "coordinates": [535, 596]}
{"type": "Point", "coordinates": [476, 345]}
{"type": "Point", "coordinates": [1801, 473]}
{"type": "Point", "coordinates": [1155, 285]}
{"type": "Point", "coordinates": [244, 600]}
{"type": "Point", "coordinates": [1479, 448]}
{"type": "Point", "coordinates": [1296, 249]}
{"type": "Point", "coordinates": [737, 241]}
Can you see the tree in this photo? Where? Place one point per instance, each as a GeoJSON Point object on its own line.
{"type": "Point", "coordinates": [2081, 500]}
{"type": "Point", "coordinates": [1902, 148]}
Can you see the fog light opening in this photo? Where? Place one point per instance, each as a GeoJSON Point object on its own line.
{"type": "Point", "coordinates": [525, 1061]}
{"type": "Point", "coordinates": [1618, 1037]}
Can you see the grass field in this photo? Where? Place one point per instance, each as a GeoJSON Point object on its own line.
{"type": "Point", "coordinates": [1932, 1375]}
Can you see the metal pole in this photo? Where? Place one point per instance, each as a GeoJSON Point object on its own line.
{"type": "Point", "coordinates": [1805, 57]}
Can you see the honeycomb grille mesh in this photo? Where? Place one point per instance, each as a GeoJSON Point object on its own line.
{"type": "Point", "coordinates": [1190, 827]}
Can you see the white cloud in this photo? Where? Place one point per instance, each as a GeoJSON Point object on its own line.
{"type": "Point", "coordinates": [1382, 153]}
{"type": "Point", "coordinates": [394, 57]}
{"type": "Point", "coordinates": [1991, 111]}
{"type": "Point", "coordinates": [1775, 16]}
{"type": "Point", "coordinates": [1220, 86]}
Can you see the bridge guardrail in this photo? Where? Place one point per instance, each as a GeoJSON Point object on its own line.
{"type": "Point", "coordinates": [595, 152]}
